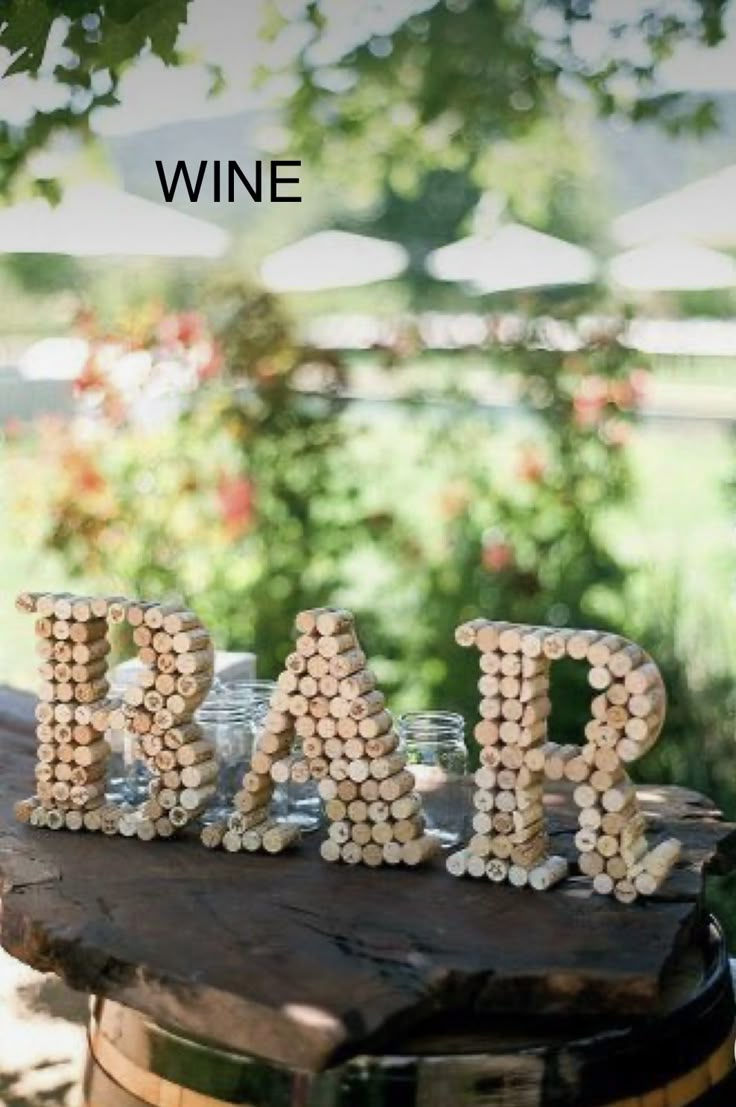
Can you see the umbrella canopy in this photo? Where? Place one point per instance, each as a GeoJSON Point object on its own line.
{"type": "Point", "coordinates": [96, 220]}
{"type": "Point", "coordinates": [512, 257]}
{"type": "Point", "coordinates": [672, 266]}
{"type": "Point", "coordinates": [703, 212]}
{"type": "Point", "coordinates": [332, 259]}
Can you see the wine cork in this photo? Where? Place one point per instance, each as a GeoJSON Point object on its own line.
{"type": "Point", "coordinates": [330, 646]}
{"type": "Point", "coordinates": [457, 863]}
{"type": "Point", "coordinates": [329, 850]}
{"type": "Point", "coordinates": [382, 745]}
{"type": "Point", "coordinates": [660, 860]}
{"type": "Point", "coordinates": [578, 644]}
{"type": "Point", "coordinates": [382, 832]}
{"type": "Point", "coordinates": [383, 767]}
{"type": "Point", "coordinates": [361, 833]}
{"type": "Point", "coordinates": [466, 633]}
{"type": "Point", "coordinates": [550, 872]}
{"type": "Point", "coordinates": [23, 809]}
{"type": "Point", "coordinates": [404, 830]}
{"type": "Point", "coordinates": [351, 853]}
{"type": "Point", "coordinates": [306, 645]}
{"type": "Point", "coordinates": [280, 837]}
{"type": "Point", "coordinates": [358, 683]}
{"type": "Point", "coordinates": [345, 664]}
{"type": "Point", "coordinates": [89, 633]}
{"type": "Point", "coordinates": [332, 621]}
{"type": "Point", "coordinates": [476, 867]}
{"type": "Point", "coordinates": [395, 786]}
{"type": "Point", "coordinates": [329, 686]}
{"type": "Point", "coordinates": [490, 663]}
{"type": "Point", "coordinates": [306, 621]}
{"type": "Point", "coordinates": [497, 870]}
{"type": "Point", "coordinates": [27, 602]}
{"type": "Point", "coordinates": [487, 638]}
{"type": "Point", "coordinates": [517, 876]}
{"type": "Point", "coordinates": [624, 891]}
{"type": "Point", "coordinates": [230, 840]}
{"type": "Point", "coordinates": [241, 821]}
{"type": "Point", "coordinates": [420, 849]}
{"type": "Point", "coordinates": [645, 884]}
{"type": "Point", "coordinates": [555, 644]}
{"type": "Point", "coordinates": [319, 767]}
{"type": "Point", "coordinates": [318, 669]}
{"type": "Point", "coordinates": [340, 829]}
{"type": "Point", "coordinates": [591, 864]}
{"type": "Point", "coordinates": [194, 661]}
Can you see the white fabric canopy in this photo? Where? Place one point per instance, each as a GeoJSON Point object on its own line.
{"type": "Point", "coordinates": [332, 259]}
{"type": "Point", "coordinates": [672, 266]}
{"type": "Point", "coordinates": [703, 212]}
{"type": "Point", "coordinates": [512, 257]}
{"type": "Point", "coordinates": [96, 220]}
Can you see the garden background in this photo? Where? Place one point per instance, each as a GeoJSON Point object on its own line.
{"type": "Point", "coordinates": [420, 450]}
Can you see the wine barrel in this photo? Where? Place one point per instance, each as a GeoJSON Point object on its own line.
{"type": "Point", "coordinates": [682, 1055]}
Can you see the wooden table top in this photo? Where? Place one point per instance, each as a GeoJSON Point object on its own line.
{"type": "Point", "coordinates": [306, 963]}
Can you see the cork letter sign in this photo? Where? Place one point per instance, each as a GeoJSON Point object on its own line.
{"type": "Point", "coordinates": [510, 841]}
{"type": "Point", "coordinates": [75, 712]}
{"type": "Point", "coordinates": [328, 722]}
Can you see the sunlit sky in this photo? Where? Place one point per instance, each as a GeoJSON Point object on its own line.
{"type": "Point", "coordinates": [225, 33]}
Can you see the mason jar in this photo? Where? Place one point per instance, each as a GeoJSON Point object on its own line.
{"type": "Point", "coordinates": [223, 725]}
{"type": "Point", "coordinates": [434, 744]}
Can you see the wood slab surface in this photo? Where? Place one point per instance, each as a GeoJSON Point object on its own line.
{"type": "Point", "coordinates": [306, 963]}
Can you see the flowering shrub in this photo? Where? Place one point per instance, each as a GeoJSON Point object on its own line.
{"type": "Point", "coordinates": [213, 457]}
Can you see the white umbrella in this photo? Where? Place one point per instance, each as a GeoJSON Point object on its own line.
{"type": "Point", "coordinates": [703, 212]}
{"type": "Point", "coordinates": [512, 257]}
{"type": "Point", "coordinates": [332, 259]}
{"type": "Point", "coordinates": [96, 220]}
{"type": "Point", "coordinates": [672, 266]}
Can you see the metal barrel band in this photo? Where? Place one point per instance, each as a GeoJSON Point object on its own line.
{"type": "Point", "coordinates": [690, 1087]}
{"type": "Point", "coordinates": [143, 1084]}
{"type": "Point", "coordinates": [156, 1091]}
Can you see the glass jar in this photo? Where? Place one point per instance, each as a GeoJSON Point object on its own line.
{"type": "Point", "coordinates": [127, 776]}
{"type": "Point", "coordinates": [434, 744]}
{"type": "Point", "coordinates": [299, 804]}
{"type": "Point", "coordinates": [303, 801]}
{"type": "Point", "coordinates": [225, 725]}
{"type": "Point", "coordinates": [253, 697]}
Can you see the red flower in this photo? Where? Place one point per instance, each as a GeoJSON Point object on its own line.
{"type": "Point", "coordinates": [589, 400]}
{"type": "Point", "coordinates": [212, 366]}
{"type": "Point", "coordinates": [92, 377]}
{"type": "Point", "coordinates": [82, 473]}
{"type": "Point", "coordinates": [89, 478]}
{"type": "Point", "coordinates": [639, 380]}
{"type": "Point", "coordinates": [192, 327]}
{"type": "Point", "coordinates": [616, 433]}
{"type": "Point", "coordinates": [13, 429]}
{"type": "Point", "coordinates": [185, 328]}
{"type": "Point", "coordinates": [531, 465]}
{"type": "Point", "coordinates": [497, 555]}
{"type": "Point", "coordinates": [236, 498]}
